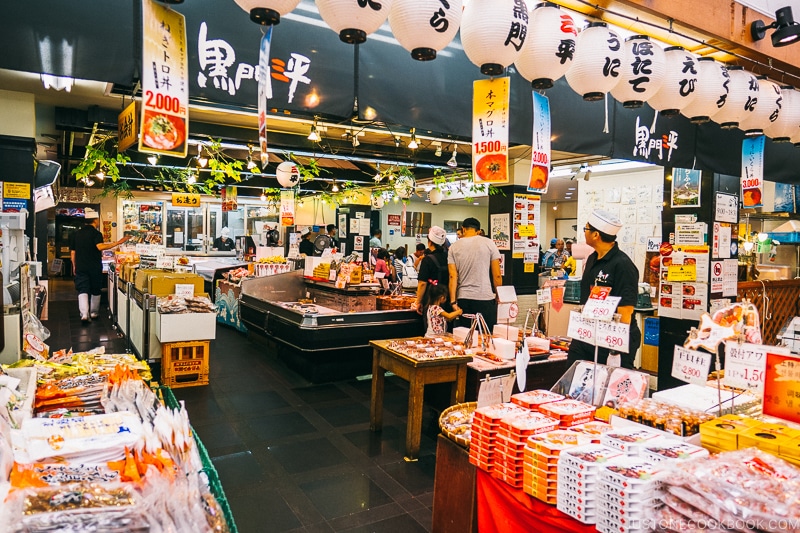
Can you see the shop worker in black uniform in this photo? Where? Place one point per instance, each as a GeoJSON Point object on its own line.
{"type": "Point", "coordinates": [86, 253]}
{"type": "Point", "coordinates": [608, 266]}
{"type": "Point", "coordinates": [306, 246]}
{"type": "Point", "coordinates": [331, 230]}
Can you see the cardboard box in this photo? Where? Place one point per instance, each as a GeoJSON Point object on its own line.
{"type": "Point", "coordinates": [164, 283]}
{"type": "Point", "coordinates": [141, 278]}
{"type": "Point", "coordinates": [185, 327]}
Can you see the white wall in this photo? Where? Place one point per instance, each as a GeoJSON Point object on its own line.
{"type": "Point", "coordinates": [17, 114]}
{"type": "Point", "coordinates": [548, 219]}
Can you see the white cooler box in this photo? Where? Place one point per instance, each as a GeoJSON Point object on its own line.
{"type": "Point", "coordinates": [184, 327]}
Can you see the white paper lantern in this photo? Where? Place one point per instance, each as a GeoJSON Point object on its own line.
{"type": "Point", "coordinates": [404, 186]}
{"type": "Point", "coordinates": [287, 174]}
{"type": "Point", "coordinates": [548, 53]}
{"type": "Point", "coordinates": [353, 20]}
{"type": "Point", "coordinates": [435, 196]}
{"type": "Point", "coordinates": [712, 91]}
{"type": "Point", "coordinates": [493, 33]}
{"type": "Point", "coordinates": [267, 12]}
{"type": "Point", "coordinates": [680, 84]}
{"type": "Point", "coordinates": [742, 93]}
{"type": "Point", "coordinates": [598, 59]}
{"type": "Point", "coordinates": [423, 27]}
{"type": "Point", "coordinates": [642, 72]}
{"type": "Point", "coordinates": [788, 122]}
{"type": "Point", "coordinates": [767, 109]}
{"type": "Point", "coordinates": [377, 202]}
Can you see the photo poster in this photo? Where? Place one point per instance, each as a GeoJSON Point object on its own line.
{"type": "Point", "coordinates": [500, 231]}
{"type": "Point", "coordinates": [342, 226]}
{"type": "Point", "coordinates": [525, 225]}
{"type": "Point", "coordinates": [685, 187]}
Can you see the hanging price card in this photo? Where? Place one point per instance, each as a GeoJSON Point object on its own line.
{"type": "Point", "coordinates": [543, 296]}
{"type": "Point", "coordinates": [601, 309]}
{"type": "Point", "coordinates": [166, 262]}
{"type": "Point", "coordinates": [581, 328]}
{"type": "Point", "coordinates": [614, 336]}
{"type": "Point", "coordinates": [691, 366]}
{"type": "Point", "coordinates": [746, 363]}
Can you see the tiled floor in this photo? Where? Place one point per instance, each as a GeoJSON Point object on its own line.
{"type": "Point", "coordinates": [292, 456]}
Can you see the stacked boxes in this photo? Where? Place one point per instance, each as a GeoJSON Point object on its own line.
{"type": "Point", "coordinates": [631, 441]}
{"type": "Point", "coordinates": [594, 429]}
{"type": "Point", "coordinates": [627, 490]}
{"type": "Point", "coordinates": [569, 412]}
{"type": "Point", "coordinates": [512, 434]}
{"type": "Point", "coordinates": [184, 364]}
{"type": "Point", "coordinates": [485, 424]}
{"type": "Point", "coordinates": [578, 470]}
{"type": "Point", "coordinates": [721, 434]}
{"type": "Point", "coordinates": [671, 452]}
{"type": "Point", "coordinates": [540, 474]}
{"type": "Point", "coordinates": [535, 398]}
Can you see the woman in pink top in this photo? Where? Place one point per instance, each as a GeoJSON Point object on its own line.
{"type": "Point", "coordinates": [382, 264]}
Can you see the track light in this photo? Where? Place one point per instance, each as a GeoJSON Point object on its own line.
{"type": "Point", "coordinates": [314, 135]}
{"type": "Point", "coordinates": [263, 196]}
{"type": "Point", "coordinates": [413, 144]}
{"type": "Point", "coordinates": [202, 161]}
{"type": "Point", "coordinates": [335, 187]}
{"type": "Point", "coordinates": [101, 175]}
{"type": "Point", "coordinates": [438, 146]}
{"type": "Point", "coordinates": [452, 161]}
{"type": "Point", "coordinates": [250, 163]}
{"type": "Point", "coordinates": [397, 142]}
{"type": "Point", "coordinates": [191, 179]}
{"type": "Point", "coordinates": [152, 159]}
{"type": "Point", "coordinates": [787, 31]}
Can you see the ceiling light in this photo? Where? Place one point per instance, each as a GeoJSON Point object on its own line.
{"type": "Point", "coordinates": [555, 206]}
{"type": "Point", "coordinates": [397, 142]}
{"type": "Point", "coordinates": [191, 178]}
{"type": "Point", "coordinates": [314, 135]}
{"type": "Point", "coordinates": [58, 83]}
{"type": "Point", "coordinates": [335, 187]}
{"type": "Point", "coordinates": [250, 163]}
{"type": "Point", "coordinates": [413, 144]}
{"type": "Point", "coordinates": [452, 161]}
{"type": "Point", "coordinates": [263, 196]}
{"type": "Point", "coordinates": [787, 31]}
{"type": "Point", "coordinates": [101, 175]}
{"type": "Point", "coordinates": [202, 161]}
{"type": "Point", "coordinates": [571, 188]}
{"type": "Point", "coordinates": [152, 159]}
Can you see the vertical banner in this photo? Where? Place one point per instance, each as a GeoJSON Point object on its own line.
{"type": "Point", "coordinates": [230, 199]}
{"type": "Point", "coordinates": [490, 102]}
{"type": "Point", "coordinates": [540, 148]}
{"type": "Point", "coordinates": [287, 207]}
{"type": "Point", "coordinates": [165, 81]}
{"type": "Point", "coordinates": [264, 93]}
{"type": "Point", "coordinates": [752, 171]}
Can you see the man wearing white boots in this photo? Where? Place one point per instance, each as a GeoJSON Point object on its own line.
{"type": "Point", "coordinates": [86, 247]}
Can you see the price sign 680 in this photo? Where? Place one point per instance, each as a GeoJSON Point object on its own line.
{"type": "Point", "coordinates": [614, 336]}
{"type": "Point", "coordinates": [581, 328]}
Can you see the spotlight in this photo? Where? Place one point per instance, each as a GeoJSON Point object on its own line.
{"type": "Point", "coordinates": [101, 175]}
{"type": "Point", "coordinates": [356, 142]}
{"type": "Point", "coordinates": [314, 135]}
{"type": "Point", "coordinates": [787, 31]}
{"type": "Point", "coordinates": [191, 179]}
{"type": "Point", "coordinates": [250, 163]}
{"type": "Point", "coordinates": [152, 159]}
{"type": "Point", "coordinates": [202, 161]}
{"type": "Point", "coordinates": [438, 146]}
{"type": "Point", "coordinates": [555, 207]}
{"type": "Point", "coordinates": [413, 144]}
{"type": "Point", "coordinates": [397, 142]}
{"type": "Point", "coordinates": [452, 161]}
{"type": "Point", "coordinates": [263, 196]}
{"type": "Point", "coordinates": [335, 187]}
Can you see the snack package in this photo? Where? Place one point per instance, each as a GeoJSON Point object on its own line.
{"type": "Point", "coordinates": [624, 386]}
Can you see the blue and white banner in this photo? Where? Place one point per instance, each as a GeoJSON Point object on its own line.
{"type": "Point", "coordinates": [264, 93]}
{"type": "Point", "coordinates": [540, 145]}
{"type": "Point", "coordinates": [753, 171]}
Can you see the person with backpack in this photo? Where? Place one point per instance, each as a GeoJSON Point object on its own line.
{"type": "Point", "coordinates": [433, 267]}
{"type": "Point", "coordinates": [549, 257]}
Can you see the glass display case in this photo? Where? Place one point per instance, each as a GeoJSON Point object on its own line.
{"type": "Point", "coordinates": [143, 221]}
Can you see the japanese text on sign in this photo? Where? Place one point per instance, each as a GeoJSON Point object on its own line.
{"type": "Point", "coordinates": [682, 273]}
{"type": "Point", "coordinates": [782, 386]}
{"type": "Point", "coordinates": [581, 328]}
{"type": "Point", "coordinates": [614, 336]}
{"type": "Point", "coordinates": [490, 129]}
{"type": "Point", "coordinates": [185, 199]}
{"type": "Point", "coordinates": [745, 364]}
{"type": "Point", "coordinates": [17, 190]}
{"type": "Point", "coordinates": [601, 309]}
{"type": "Point", "coordinates": [691, 366]}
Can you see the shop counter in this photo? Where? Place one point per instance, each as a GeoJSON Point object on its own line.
{"type": "Point", "coordinates": [212, 271]}
{"type": "Point", "coordinates": [317, 341]}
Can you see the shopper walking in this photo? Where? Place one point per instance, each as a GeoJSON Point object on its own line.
{"type": "Point", "coordinates": [433, 268]}
{"type": "Point", "coordinates": [474, 265]}
{"type": "Point", "coordinates": [86, 253]}
{"type": "Point", "coordinates": [608, 266]}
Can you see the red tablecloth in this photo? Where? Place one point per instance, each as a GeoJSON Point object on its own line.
{"type": "Point", "coordinates": [504, 509]}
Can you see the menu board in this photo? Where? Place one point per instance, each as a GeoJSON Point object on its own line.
{"type": "Point", "coordinates": [526, 220]}
{"type": "Point", "coordinates": [679, 296]}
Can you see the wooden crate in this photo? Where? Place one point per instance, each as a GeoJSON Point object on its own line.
{"type": "Point", "coordinates": [184, 364]}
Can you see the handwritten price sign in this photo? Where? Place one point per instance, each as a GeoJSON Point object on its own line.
{"type": "Point", "coordinates": [614, 336]}
{"type": "Point", "coordinates": [581, 328]}
{"type": "Point", "coordinates": [601, 309]}
{"type": "Point", "coordinates": [691, 366]}
{"type": "Point", "coordinates": [543, 296]}
{"type": "Point", "coordinates": [745, 364]}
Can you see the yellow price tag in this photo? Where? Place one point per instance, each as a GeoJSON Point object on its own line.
{"type": "Point", "coordinates": [682, 273]}
{"type": "Point", "coordinates": [185, 199]}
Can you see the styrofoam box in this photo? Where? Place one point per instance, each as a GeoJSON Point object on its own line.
{"type": "Point", "coordinates": [460, 333]}
{"type": "Point", "coordinates": [183, 327]}
{"type": "Point", "coordinates": [501, 331]}
{"type": "Point", "coordinates": [503, 348]}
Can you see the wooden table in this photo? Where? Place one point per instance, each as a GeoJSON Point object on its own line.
{"type": "Point", "coordinates": [418, 373]}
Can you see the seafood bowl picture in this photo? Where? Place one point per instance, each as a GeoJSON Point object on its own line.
{"type": "Point", "coordinates": [161, 131]}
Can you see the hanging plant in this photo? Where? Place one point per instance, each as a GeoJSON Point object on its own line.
{"type": "Point", "coordinates": [310, 170]}
{"type": "Point", "coordinates": [101, 157]}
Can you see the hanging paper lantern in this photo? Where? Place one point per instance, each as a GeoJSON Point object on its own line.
{"type": "Point", "coordinates": [742, 98]}
{"type": "Point", "coordinates": [598, 60]}
{"type": "Point", "coordinates": [642, 72]}
{"type": "Point", "coordinates": [423, 27]}
{"type": "Point", "coordinates": [435, 196]}
{"type": "Point", "coordinates": [680, 84]}
{"type": "Point", "coordinates": [404, 186]}
{"type": "Point", "coordinates": [377, 202]}
{"type": "Point", "coordinates": [548, 54]}
{"type": "Point", "coordinates": [267, 12]}
{"type": "Point", "coordinates": [767, 109]}
{"type": "Point", "coordinates": [287, 174]}
{"type": "Point", "coordinates": [353, 20]}
{"type": "Point", "coordinates": [788, 121]}
{"type": "Point", "coordinates": [712, 91]}
{"type": "Point", "coordinates": [493, 33]}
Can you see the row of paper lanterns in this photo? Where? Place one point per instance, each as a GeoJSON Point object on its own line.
{"type": "Point", "coordinates": [544, 44]}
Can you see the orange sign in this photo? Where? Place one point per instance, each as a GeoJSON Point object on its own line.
{"type": "Point", "coordinates": [127, 128]}
{"type": "Point", "coordinates": [782, 387]}
{"type": "Point", "coordinates": [185, 199]}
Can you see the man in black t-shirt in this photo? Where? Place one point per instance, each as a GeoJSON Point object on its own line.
{"type": "Point", "coordinates": [86, 252]}
{"type": "Point", "coordinates": [306, 246]}
{"type": "Point", "coordinates": [608, 266]}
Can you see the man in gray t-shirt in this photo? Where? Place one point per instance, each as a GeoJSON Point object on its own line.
{"type": "Point", "coordinates": [474, 264]}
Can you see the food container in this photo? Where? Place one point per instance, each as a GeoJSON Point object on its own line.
{"type": "Point", "coordinates": [589, 457]}
{"type": "Point", "coordinates": [569, 412]}
{"type": "Point", "coordinates": [533, 399]}
{"type": "Point", "coordinates": [593, 429]}
{"type": "Point", "coordinates": [631, 440]}
{"type": "Point", "coordinates": [722, 433]}
{"type": "Point", "coordinates": [672, 452]}
{"type": "Point", "coordinates": [768, 437]}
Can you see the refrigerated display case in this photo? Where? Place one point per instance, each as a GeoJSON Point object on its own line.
{"type": "Point", "coordinates": [143, 221]}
